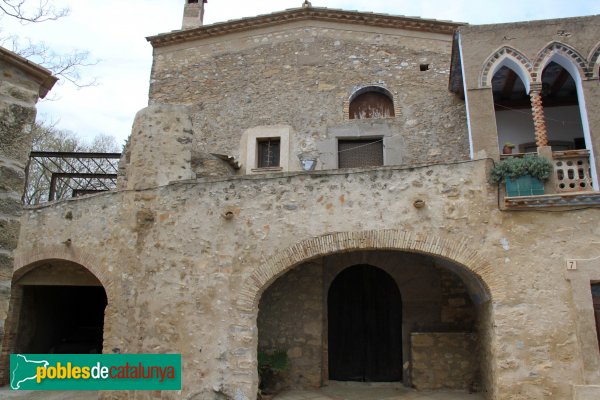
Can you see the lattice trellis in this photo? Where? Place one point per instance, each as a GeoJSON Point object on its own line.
{"type": "Point", "coordinates": [58, 175]}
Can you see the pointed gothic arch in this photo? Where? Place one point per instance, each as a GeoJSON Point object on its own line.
{"type": "Point", "coordinates": [511, 58]}
{"type": "Point", "coordinates": [594, 63]}
{"type": "Point", "coordinates": [546, 55]}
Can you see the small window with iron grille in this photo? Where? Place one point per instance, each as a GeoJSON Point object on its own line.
{"type": "Point", "coordinates": [360, 153]}
{"type": "Point", "coordinates": [268, 152]}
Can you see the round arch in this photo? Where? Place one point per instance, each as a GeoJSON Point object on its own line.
{"type": "Point", "coordinates": [282, 261]}
{"type": "Point", "coordinates": [24, 263]}
{"type": "Point", "coordinates": [510, 58]}
{"type": "Point", "coordinates": [371, 88]}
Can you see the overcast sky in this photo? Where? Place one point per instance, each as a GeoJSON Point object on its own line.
{"type": "Point", "coordinates": [114, 31]}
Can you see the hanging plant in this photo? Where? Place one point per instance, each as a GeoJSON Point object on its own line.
{"type": "Point", "coordinates": [513, 168]}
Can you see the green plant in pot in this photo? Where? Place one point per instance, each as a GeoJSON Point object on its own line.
{"type": "Point", "coordinates": [523, 176]}
{"type": "Point", "coordinates": [270, 365]}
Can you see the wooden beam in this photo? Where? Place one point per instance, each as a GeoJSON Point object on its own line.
{"type": "Point", "coordinates": [509, 83]}
{"type": "Point", "coordinates": [559, 82]}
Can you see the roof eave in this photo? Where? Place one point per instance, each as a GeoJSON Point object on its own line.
{"type": "Point", "coordinates": [38, 74]}
{"type": "Point", "coordinates": [301, 14]}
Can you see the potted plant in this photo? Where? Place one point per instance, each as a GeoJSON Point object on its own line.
{"type": "Point", "coordinates": [508, 148]}
{"type": "Point", "coordinates": [270, 365]}
{"type": "Point", "coordinates": [523, 176]}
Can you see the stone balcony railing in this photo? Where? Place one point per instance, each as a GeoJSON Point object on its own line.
{"type": "Point", "coordinates": [570, 185]}
{"type": "Point", "coordinates": [572, 171]}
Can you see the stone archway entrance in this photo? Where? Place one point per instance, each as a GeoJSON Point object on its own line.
{"type": "Point", "coordinates": [283, 273]}
{"type": "Point", "coordinates": [57, 306]}
{"type": "Point", "coordinates": [364, 311]}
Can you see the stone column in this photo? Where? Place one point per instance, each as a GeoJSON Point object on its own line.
{"type": "Point", "coordinates": [537, 110]}
{"type": "Point", "coordinates": [22, 84]}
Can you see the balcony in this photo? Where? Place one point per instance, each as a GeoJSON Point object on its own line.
{"type": "Point", "coordinates": [570, 185]}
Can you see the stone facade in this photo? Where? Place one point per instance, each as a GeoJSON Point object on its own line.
{"type": "Point", "coordinates": [444, 361]}
{"type": "Point", "coordinates": [21, 85]}
{"type": "Point", "coordinates": [202, 256]}
{"type": "Point", "coordinates": [301, 75]}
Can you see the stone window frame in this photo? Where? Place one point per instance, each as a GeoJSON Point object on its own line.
{"type": "Point", "coordinates": [358, 90]}
{"type": "Point", "coordinates": [249, 148]}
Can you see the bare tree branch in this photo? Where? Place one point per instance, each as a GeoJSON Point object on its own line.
{"type": "Point", "coordinates": [66, 66]}
{"type": "Point", "coordinates": [43, 11]}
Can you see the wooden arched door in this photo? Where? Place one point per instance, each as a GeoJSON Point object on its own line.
{"type": "Point", "coordinates": [365, 326]}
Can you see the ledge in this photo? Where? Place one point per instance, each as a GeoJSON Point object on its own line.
{"type": "Point", "coordinates": [578, 199]}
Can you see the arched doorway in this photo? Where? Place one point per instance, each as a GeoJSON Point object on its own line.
{"type": "Point", "coordinates": [448, 291]}
{"type": "Point", "coordinates": [57, 306]}
{"type": "Point", "coordinates": [365, 326]}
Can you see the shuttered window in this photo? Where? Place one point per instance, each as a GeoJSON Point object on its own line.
{"type": "Point", "coordinates": [360, 153]}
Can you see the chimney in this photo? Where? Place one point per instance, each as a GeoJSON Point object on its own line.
{"type": "Point", "coordinates": [193, 14]}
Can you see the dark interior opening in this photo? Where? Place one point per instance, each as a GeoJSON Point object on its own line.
{"type": "Point", "coordinates": [365, 326]}
{"type": "Point", "coordinates": [61, 319]}
{"type": "Point", "coordinates": [596, 303]}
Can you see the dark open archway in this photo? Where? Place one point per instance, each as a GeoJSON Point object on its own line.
{"type": "Point", "coordinates": [57, 307]}
{"type": "Point", "coordinates": [365, 326]}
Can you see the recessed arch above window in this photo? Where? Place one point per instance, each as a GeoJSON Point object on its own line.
{"type": "Point", "coordinates": [371, 102]}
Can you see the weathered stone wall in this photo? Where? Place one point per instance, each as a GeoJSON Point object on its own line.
{"type": "Point", "coordinates": [444, 360]}
{"type": "Point", "coordinates": [175, 270]}
{"type": "Point", "coordinates": [302, 75]}
{"type": "Point", "coordinates": [21, 84]}
{"type": "Point", "coordinates": [290, 318]}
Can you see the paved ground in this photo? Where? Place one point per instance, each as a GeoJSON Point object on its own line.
{"type": "Point", "coordinates": [6, 393]}
{"type": "Point", "coordinates": [335, 391]}
{"type": "Point", "coordinates": [372, 391]}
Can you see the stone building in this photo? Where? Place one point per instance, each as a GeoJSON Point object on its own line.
{"type": "Point", "coordinates": [317, 181]}
{"type": "Point", "coordinates": [22, 84]}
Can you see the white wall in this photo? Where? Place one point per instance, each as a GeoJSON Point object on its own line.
{"type": "Point", "coordinates": [516, 126]}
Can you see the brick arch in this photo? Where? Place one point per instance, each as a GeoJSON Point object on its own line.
{"type": "Point", "coordinates": [377, 87]}
{"type": "Point", "coordinates": [505, 52]}
{"type": "Point", "coordinates": [594, 66]}
{"type": "Point", "coordinates": [26, 262]}
{"type": "Point", "coordinates": [282, 261]}
{"type": "Point", "coordinates": [566, 51]}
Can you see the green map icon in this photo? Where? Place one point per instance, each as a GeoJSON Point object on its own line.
{"type": "Point", "coordinates": [23, 370]}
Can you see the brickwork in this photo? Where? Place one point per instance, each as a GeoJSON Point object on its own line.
{"type": "Point", "coordinates": [493, 60]}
